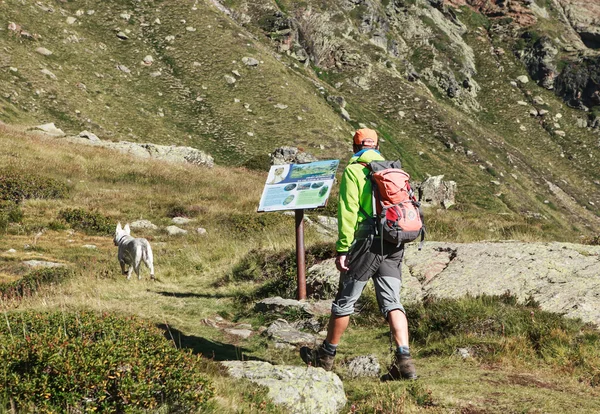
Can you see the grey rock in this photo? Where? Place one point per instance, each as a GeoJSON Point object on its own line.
{"type": "Point", "coordinates": [249, 61]}
{"type": "Point", "coordinates": [540, 60]}
{"type": "Point", "coordinates": [89, 246]}
{"type": "Point", "coordinates": [42, 263]}
{"type": "Point", "coordinates": [181, 220]}
{"type": "Point", "coordinates": [175, 231]}
{"type": "Point", "coordinates": [290, 155]}
{"type": "Point", "coordinates": [49, 74]}
{"type": "Point", "coordinates": [345, 115]}
{"type": "Point", "coordinates": [201, 231]}
{"type": "Point", "coordinates": [322, 280]}
{"type": "Point", "coordinates": [123, 68]}
{"type": "Point", "coordinates": [71, 20]}
{"type": "Point", "coordinates": [143, 225]}
{"type": "Point", "coordinates": [280, 106]}
{"type": "Point", "coordinates": [464, 353]}
{"type": "Point", "coordinates": [561, 277]}
{"type": "Point", "coordinates": [242, 333]}
{"type": "Point", "coordinates": [50, 129]}
{"type": "Point", "coordinates": [278, 305]}
{"type": "Point", "coordinates": [282, 331]}
{"type": "Point", "coordinates": [92, 137]}
{"type": "Point", "coordinates": [43, 51]}
{"type": "Point", "coordinates": [523, 79]}
{"type": "Point", "coordinates": [299, 390]}
{"type": "Point", "coordinates": [11, 251]}
{"type": "Point", "coordinates": [122, 35]}
{"type": "Point", "coordinates": [364, 366]}
{"type": "Point", "coordinates": [436, 192]}
{"type": "Point", "coordinates": [229, 79]}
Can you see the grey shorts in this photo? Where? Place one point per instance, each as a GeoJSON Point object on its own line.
{"type": "Point", "coordinates": [366, 262]}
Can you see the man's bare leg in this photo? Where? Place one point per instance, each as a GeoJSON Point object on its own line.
{"type": "Point", "coordinates": [336, 327]}
{"type": "Point", "coordinates": [399, 327]}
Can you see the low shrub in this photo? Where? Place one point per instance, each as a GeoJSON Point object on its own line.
{"type": "Point", "coordinates": [10, 212]}
{"type": "Point", "coordinates": [31, 282]}
{"type": "Point", "coordinates": [17, 186]}
{"type": "Point", "coordinates": [245, 223]}
{"type": "Point", "coordinates": [277, 270]}
{"type": "Point", "coordinates": [88, 362]}
{"type": "Point", "coordinates": [90, 222]}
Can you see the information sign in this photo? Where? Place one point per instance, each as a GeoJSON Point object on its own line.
{"type": "Point", "coordinates": [298, 186]}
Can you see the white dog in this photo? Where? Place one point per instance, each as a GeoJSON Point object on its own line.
{"type": "Point", "coordinates": [132, 251]}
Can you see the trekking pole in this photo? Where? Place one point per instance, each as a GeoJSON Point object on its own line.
{"type": "Point", "coordinates": [300, 254]}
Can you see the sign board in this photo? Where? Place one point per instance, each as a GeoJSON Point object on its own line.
{"type": "Point", "coordinates": [298, 186]}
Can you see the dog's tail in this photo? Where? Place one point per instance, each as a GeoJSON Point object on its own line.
{"type": "Point", "coordinates": [148, 258]}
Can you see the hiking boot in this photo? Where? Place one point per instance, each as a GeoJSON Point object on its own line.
{"type": "Point", "coordinates": [317, 357]}
{"type": "Point", "coordinates": [402, 367]}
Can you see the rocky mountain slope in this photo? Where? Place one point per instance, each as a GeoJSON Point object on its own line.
{"type": "Point", "coordinates": [497, 95]}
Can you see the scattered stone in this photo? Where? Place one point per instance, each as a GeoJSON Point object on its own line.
{"type": "Point", "coordinates": [542, 112]}
{"type": "Point", "coordinates": [92, 137]}
{"type": "Point", "coordinates": [148, 60]}
{"type": "Point", "coordinates": [560, 133]}
{"type": "Point", "coordinates": [364, 366]}
{"type": "Point", "coordinates": [122, 36]}
{"type": "Point", "coordinates": [89, 246]}
{"type": "Point", "coordinates": [298, 389]}
{"type": "Point", "coordinates": [558, 116]}
{"type": "Point", "coordinates": [11, 251]}
{"type": "Point", "coordinates": [513, 84]}
{"type": "Point", "coordinates": [229, 79]}
{"type": "Point", "coordinates": [279, 305]}
{"type": "Point", "coordinates": [523, 128]}
{"type": "Point", "coordinates": [49, 74]}
{"type": "Point", "coordinates": [345, 115]}
{"type": "Point", "coordinates": [175, 231]}
{"type": "Point", "coordinates": [43, 51]}
{"type": "Point", "coordinates": [51, 129]}
{"type": "Point", "coordinates": [280, 106]}
{"type": "Point", "coordinates": [522, 103]}
{"type": "Point", "coordinates": [125, 16]}
{"type": "Point", "coordinates": [523, 79]}
{"type": "Point", "coordinates": [290, 155]}
{"type": "Point", "coordinates": [249, 61]}
{"type": "Point", "coordinates": [170, 38]}
{"type": "Point", "coordinates": [201, 231]}
{"type": "Point", "coordinates": [143, 225]}
{"type": "Point", "coordinates": [123, 68]}
{"type": "Point", "coordinates": [464, 353]}
{"type": "Point", "coordinates": [533, 112]}
{"type": "Point", "coordinates": [181, 220]}
{"type": "Point", "coordinates": [242, 333]}
{"type": "Point", "coordinates": [190, 29]}
{"type": "Point", "coordinates": [581, 123]}
{"type": "Point", "coordinates": [71, 20]}
{"type": "Point", "coordinates": [538, 100]}
{"type": "Point", "coordinates": [282, 331]}
{"type": "Point", "coordinates": [236, 73]}
{"type": "Point", "coordinates": [13, 69]}
{"type": "Point", "coordinates": [42, 263]}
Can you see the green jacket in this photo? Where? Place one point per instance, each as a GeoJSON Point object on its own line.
{"type": "Point", "coordinates": [355, 192]}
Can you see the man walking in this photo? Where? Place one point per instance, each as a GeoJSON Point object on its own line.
{"type": "Point", "coordinates": [359, 258]}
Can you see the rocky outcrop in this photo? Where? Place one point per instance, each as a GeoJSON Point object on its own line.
{"type": "Point", "coordinates": [540, 60]}
{"type": "Point", "coordinates": [436, 192]}
{"type": "Point", "coordinates": [290, 155]}
{"type": "Point", "coordinates": [168, 153]}
{"type": "Point", "coordinates": [579, 83]}
{"type": "Point", "coordinates": [584, 17]}
{"type": "Point", "coordinates": [516, 9]}
{"type": "Point", "coordinates": [561, 277]}
{"type": "Point", "coordinates": [297, 389]}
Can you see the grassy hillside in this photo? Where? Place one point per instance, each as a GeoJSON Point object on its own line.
{"type": "Point", "coordinates": [525, 366]}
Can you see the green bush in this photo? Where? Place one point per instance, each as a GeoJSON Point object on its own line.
{"type": "Point", "coordinates": [87, 362]}
{"type": "Point", "coordinates": [90, 222]}
{"type": "Point", "coordinates": [10, 212]}
{"type": "Point", "coordinates": [277, 270]}
{"type": "Point", "coordinates": [33, 281]}
{"type": "Point", "coordinates": [18, 186]}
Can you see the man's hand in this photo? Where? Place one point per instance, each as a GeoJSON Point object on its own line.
{"type": "Point", "coordinates": [341, 262]}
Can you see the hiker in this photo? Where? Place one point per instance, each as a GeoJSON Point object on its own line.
{"type": "Point", "coordinates": [359, 258]}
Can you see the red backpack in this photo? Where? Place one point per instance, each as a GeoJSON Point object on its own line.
{"type": "Point", "coordinates": [395, 206]}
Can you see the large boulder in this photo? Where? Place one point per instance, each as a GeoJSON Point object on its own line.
{"type": "Point", "coordinates": [290, 155]}
{"type": "Point", "coordinates": [282, 331]}
{"type": "Point", "coordinates": [436, 192]}
{"type": "Point", "coordinates": [322, 280]}
{"type": "Point", "coordinates": [561, 277]}
{"type": "Point", "coordinates": [298, 389]}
